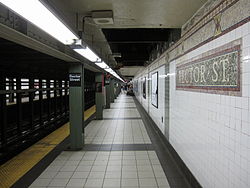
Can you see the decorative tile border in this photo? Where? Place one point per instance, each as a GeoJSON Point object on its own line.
{"type": "Point", "coordinates": [178, 49]}
{"type": "Point", "coordinates": [216, 71]}
{"type": "Point", "coordinates": [221, 7]}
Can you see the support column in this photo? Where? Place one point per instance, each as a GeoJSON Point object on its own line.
{"type": "Point", "coordinates": [107, 87]}
{"type": "Point", "coordinates": [119, 89]}
{"type": "Point", "coordinates": [76, 106]}
{"type": "Point", "coordinates": [112, 94]}
{"type": "Point", "coordinates": [115, 89]}
{"type": "Point", "coordinates": [99, 96]}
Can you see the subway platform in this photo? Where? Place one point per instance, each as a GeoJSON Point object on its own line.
{"type": "Point", "coordinates": [121, 150]}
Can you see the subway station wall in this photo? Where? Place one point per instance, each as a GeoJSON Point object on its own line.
{"type": "Point", "coordinates": [209, 88]}
{"type": "Point", "coordinates": [155, 107]}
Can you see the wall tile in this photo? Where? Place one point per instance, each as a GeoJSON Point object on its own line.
{"type": "Point", "coordinates": [211, 131]}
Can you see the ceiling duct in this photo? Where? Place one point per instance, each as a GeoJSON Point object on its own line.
{"type": "Point", "coordinates": [104, 17]}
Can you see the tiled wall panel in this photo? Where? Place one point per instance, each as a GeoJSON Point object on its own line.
{"type": "Point", "coordinates": [211, 132]}
{"type": "Point", "coordinates": [157, 114]}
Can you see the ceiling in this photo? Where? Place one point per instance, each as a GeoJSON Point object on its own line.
{"type": "Point", "coordinates": [140, 26]}
{"type": "Point", "coordinates": [130, 71]}
{"type": "Point", "coordinates": [24, 61]}
{"type": "Point", "coordinates": [135, 45]}
{"type": "Point", "coordinates": [138, 13]}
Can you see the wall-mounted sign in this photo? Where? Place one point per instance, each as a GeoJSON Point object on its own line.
{"type": "Point", "coordinates": [154, 90]}
{"type": "Point", "coordinates": [216, 73]}
{"type": "Point", "coordinates": [75, 80]}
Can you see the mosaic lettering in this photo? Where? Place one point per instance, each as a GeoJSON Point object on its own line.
{"type": "Point", "coordinates": [220, 71]}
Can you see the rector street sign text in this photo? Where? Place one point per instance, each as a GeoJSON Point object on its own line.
{"type": "Point", "coordinates": [217, 72]}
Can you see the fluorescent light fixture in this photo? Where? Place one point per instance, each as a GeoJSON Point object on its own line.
{"type": "Point", "coordinates": [35, 12]}
{"type": "Point", "coordinates": [102, 65]}
{"type": "Point", "coordinates": [88, 54]}
{"type": "Point", "coordinates": [109, 70]}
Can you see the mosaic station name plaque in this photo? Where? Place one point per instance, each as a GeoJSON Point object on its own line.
{"type": "Point", "coordinates": [218, 72]}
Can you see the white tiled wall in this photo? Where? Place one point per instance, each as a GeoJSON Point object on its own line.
{"type": "Point", "coordinates": [211, 132]}
{"type": "Point", "coordinates": [157, 114]}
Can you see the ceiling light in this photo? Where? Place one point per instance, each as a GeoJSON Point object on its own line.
{"type": "Point", "coordinates": [102, 65]}
{"type": "Point", "coordinates": [88, 54]}
{"type": "Point", "coordinates": [109, 70]}
{"type": "Point", "coordinates": [35, 12]}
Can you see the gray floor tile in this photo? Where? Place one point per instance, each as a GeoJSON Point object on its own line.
{"type": "Point", "coordinates": [83, 168]}
{"type": "Point", "coordinates": [116, 157]}
{"type": "Point", "coordinates": [53, 168]}
{"type": "Point", "coordinates": [115, 163]}
{"type": "Point", "coordinates": [59, 182]}
{"type": "Point", "coordinates": [98, 168]}
{"type": "Point", "coordinates": [113, 175]}
{"type": "Point", "coordinates": [101, 163]}
{"type": "Point", "coordinates": [41, 182]}
{"type": "Point", "coordinates": [64, 175]}
{"type": "Point", "coordinates": [129, 182]}
{"type": "Point", "coordinates": [81, 175]}
{"type": "Point", "coordinates": [94, 183]}
{"type": "Point", "coordinates": [86, 163]}
{"type": "Point", "coordinates": [148, 182]}
{"type": "Point", "coordinates": [73, 163]}
{"type": "Point", "coordinates": [76, 182]}
{"type": "Point", "coordinates": [143, 162]}
{"type": "Point", "coordinates": [96, 175]}
{"type": "Point", "coordinates": [114, 168]}
{"type": "Point", "coordinates": [112, 183]}
{"type": "Point", "coordinates": [129, 174]}
{"type": "Point", "coordinates": [145, 168]}
{"type": "Point", "coordinates": [129, 168]}
{"type": "Point", "coordinates": [128, 162]}
{"type": "Point", "coordinates": [128, 157]}
{"type": "Point", "coordinates": [67, 168]}
{"type": "Point", "coordinates": [146, 174]}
